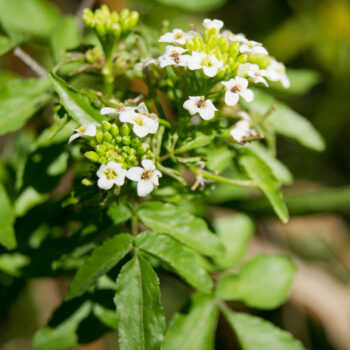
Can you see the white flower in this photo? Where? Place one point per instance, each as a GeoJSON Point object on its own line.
{"type": "Point", "coordinates": [234, 37]}
{"type": "Point", "coordinates": [276, 71]}
{"type": "Point", "coordinates": [240, 130]}
{"type": "Point", "coordinates": [144, 123]}
{"type": "Point", "coordinates": [173, 56]}
{"type": "Point", "coordinates": [146, 177]}
{"type": "Point", "coordinates": [84, 130]}
{"type": "Point", "coordinates": [252, 47]}
{"type": "Point", "coordinates": [109, 111]}
{"type": "Point", "coordinates": [177, 36]}
{"type": "Point", "coordinates": [236, 88]}
{"type": "Point", "coordinates": [253, 72]}
{"type": "Point", "coordinates": [144, 62]}
{"type": "Point", "coordinates": [215, 23]}
{"type": "Point", "coordinates": [209, 63]}
{"type": "Point", "coordinates": [110, 174]}
{"type": "Point", "coordinates": [198, 104]}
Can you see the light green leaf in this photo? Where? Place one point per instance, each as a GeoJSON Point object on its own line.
{"type": "Point", "coordinates": [181, 225]}
{"type": "Point", "coordinates": [196, 329]}
{"type": "Point", "coordinates": [178, 257]}
{"type": "Point", "coordinates": [101, 261]}
{"type": "Point", "coordinates": [219, 158]}
{"type": "Point", "coordinates": [64, 335]}
{"type": "Point", "coordinates": [7, 219]}
{"type": "Point", "coordinates": [12, 263]}
{"type": "Point", "coordinates": [140, 319]}
{"type": "Point", "coordinates": [280, 171]}
{"type": "Point", "coordinates": [263, 282]}
{"type": "Point", "coordinates": [76, 103]}
{"type": "Point", "coordinates": [28, 199]}
{"type": "Point", "coordinates": [266, 182]}
{"type": "Point", "coordinates": [286, 121]}
{"type": "Point", "coordinates": [105, 315]}
{"type": "Point", "coordinates": [194, 5]}
{"type": "Point", "coordinates": [19, 100]}
{"type": "Point", "coordinates": [254, 333]}
{"type": "Point", "coordinates": [119, 213]}
{"type": "Point", "coordinates": [33, 17]}
{"type": "Point", "coordinates": [235, 233]}
{"type": "Point", "coordinates": [199, 140]}
{"type": "Point", "coordinates": [65, 36]}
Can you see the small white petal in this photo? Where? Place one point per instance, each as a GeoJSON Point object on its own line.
{"type": "Point", "coordinates": [190, 105]}
{"type": "Point", "coordinates": [144, 187]}
{"type": "Point", "coordinates": [135, 173]}
{"type": "Point", "coordinates": [73, 137]}
{"type": "Point", "coordinates": [231, 98]}
{"type": "Point", "coordinates": [140, 131]}
{"type": "Point", "coordinates": [90, 130]}
{"type": "Point", "coordinates": [148, 164]}
{"type": "Point", "coordinates": [210, 71]}
{"type": "Point", "coordinates": [104, 183]}
{"type": "Point", "coordinates": [247, 94]}
{"type": "Point", "coordinates": [242, 82]}
{"type": "Point", "coordinates": [109, 111]}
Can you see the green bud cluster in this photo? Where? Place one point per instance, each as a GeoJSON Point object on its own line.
{"type": "Point", "coordinates": [118, 144]}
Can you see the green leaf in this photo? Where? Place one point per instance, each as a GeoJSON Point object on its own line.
{"type": "Point", "coordinates": [280, 171]}
{"type": "Point", "coordinates": [196, 329]}
{"type": "Point", "coordinates": [140, 319]}
{"type": "Point", "coordinates": [266, 182]}
{"type": "Point", "coordinates": [179, 258]}
{"type": "Point", "coordinates": [65, 36]}
{"type": "Point", "coordinates": [254, 333]}
{"type": "Point", "coordinates": [235, 233]}
{"type": "Point", "coordinates": [180, 225]}
{"type": "Point", "coordinates": [264, 282]}
{"type": "Point", "coordinates": [33, 17]}
{"type": "Point", "coordinates": [105, 315]}
{"type": "Point", "coordinates": [7, 219]}
{"type": "Point", "coordinates": [286, 121]}
{"type": "Point", "coordinates": [101, 261]}
{"type": "Point", "coordinates": [76, 103]}
{"type": "Point", "coordinates": [199, 140]}
{"type": "Point", "coordinates": [12, 263]}
{"type": "Point", "coordinates": [64, 334]}
{"type": "Point", "coordinates": [119, 213]}
{"type": "Point", "coordinates": [194, 5]}
{"type": "Point", "coordinates": [19, 100]}
{"type": "Point", "coordinates": [219, 158]}
{"type": "Point", "coordinates": [28, 199]}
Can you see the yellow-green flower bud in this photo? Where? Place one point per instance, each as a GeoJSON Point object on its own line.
{"type": "Point", "coordinates": [93, 156]}
{"type": "Point", "coordinates": [134, 18]}
{"type": "Point", "coordinates": [107, 136]}
{"type": "Point", "coordinates": [99, 136]}
{"type": "Point", "coordinates": [87, 182]}
{"type": "Point", "coordinates": [101, 149]}
{"type": "Point", "coordinates": [126, 140]}
{"type": "Point", "coordinates": [233, 50]}
{"type": "Point", "coordinates": [106, 126]}
{"type": "Point", "coordinates": [142, 149]}
{"type": "Point", "coordinates": [114, 130]}
{"type": "Point", "coordinates": [124, 130]}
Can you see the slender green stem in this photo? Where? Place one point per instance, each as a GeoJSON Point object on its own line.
{"type": "Point", "coordinates": [222, 179]}
{"type": "Point", "coordinates": [134, 225]}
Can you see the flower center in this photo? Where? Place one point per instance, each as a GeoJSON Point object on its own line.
{"type": "Point", "coordinates": [175, 56]}
{"type": "Point", "coordinates": [110, 174]}
{"type": "Point", "coordinates": [207, 62]}
{"type": "Point", "coordinates": [250, 44]}
{"type": "Point", "coordinates": [139, 120]}
{"type": "Point", "coordinates": [147, 174]}
{"type": "Point", "coordinates": [236, 88]}
{"type": "Point", "coordinates": [178, 35]}
{"type": "Point", "coordinates": [201, 103]}
{"type": "Point", "coordinates": [280, 69]}
{"type": "Point", "coordinates": [82, 129]}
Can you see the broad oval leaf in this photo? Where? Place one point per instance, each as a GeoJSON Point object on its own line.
{"type": "Point", "coordinates": [264, 282]}
{"type": "Point", "coordinates": [199, 140]}
{"type": "Point", "coordinates": [266, 182]}
{"type": "Point", "coordinates": [254, 333]}
{"type": "Point", "coordinates": [181, 225]}
{"type": "Point", "coordinates": [7, 219]}
{"type": "Point", "coordinates": [235, 232]}
{"type": "Point", "coordinates": [77, 104]}
{"type": "Point", "coordinates": [101, 261]}
{"type": "Point", "coordinates": [196, 329]}
{"type": "Point", "coordinates": [286, 121]}
{"type": "Point", "coordinates": [178, 257]}
{"type": "Point", "coordinates": [140, 318]}
{"type": "Point", "coordinates": [19, 100]}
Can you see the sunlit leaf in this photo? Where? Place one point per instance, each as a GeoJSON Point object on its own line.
{"type": "Point", "coordinates": [7, 219]}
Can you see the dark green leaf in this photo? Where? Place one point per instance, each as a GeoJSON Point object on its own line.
{"type": "Point", "coordinates": [140, 319]}
{"type": "Point", "coordinates": [235, 232]}
{"type": "Point", "coordinates": [77, 104]}
{"type": "Point", "coordinates": [65, 36]}
{"type": "Point", "coordinates": [101, 261]}
{"type": "Point", "coordinates": [119, 213]}
{"type": "Point", "coordinates": [254, 333]}
{"type": "Point", "coordinates": [264, 282]}
{"type": "Point", "coordinates": [33, 17]}
{"type": "Point", "coordinates": [266, 182]}
{"type": "Point", "coordinates": [286, 121]}
{"type": "Point", "coordinates": [196, 329]}
{"type": "Point", "coordinates": [199, 140]}
{"type": "Point", "coordinates": [181, 225]}
{"type": "Point", "coordinates": [19, 100]}
{"type": "Point", "coordinates": [7, 219]}
{"type": "Point", "coordinates": [178, 257]}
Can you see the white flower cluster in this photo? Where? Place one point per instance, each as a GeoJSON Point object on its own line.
{"type": "Point", "coordinates": [113, 173]}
